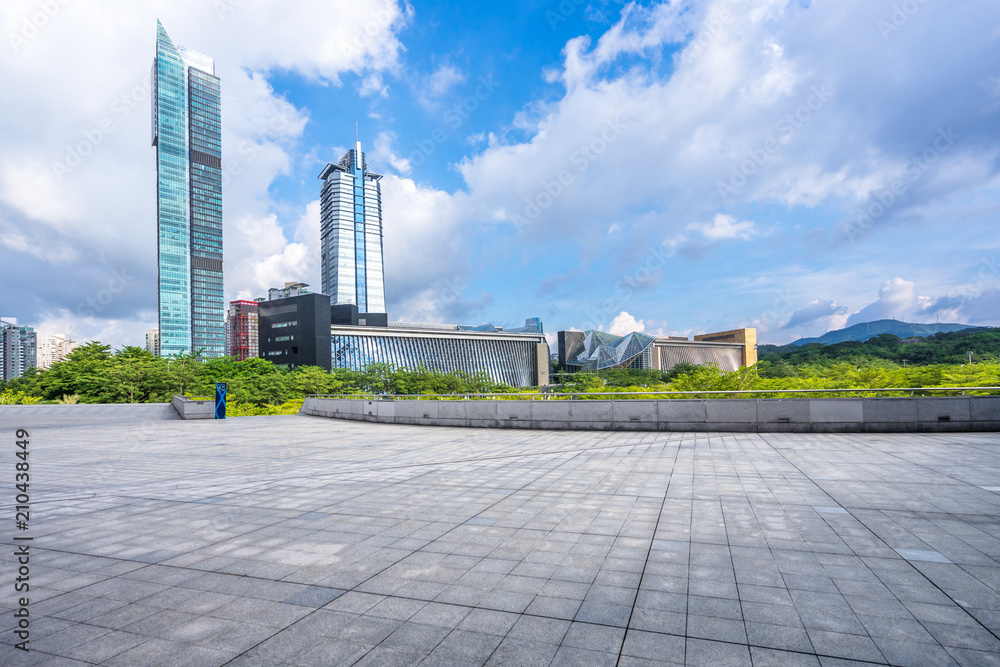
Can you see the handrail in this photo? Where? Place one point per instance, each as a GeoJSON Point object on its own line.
{"type": "Point", "coordinates": [613, 394]}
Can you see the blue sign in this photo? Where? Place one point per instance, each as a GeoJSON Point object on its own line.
{"type": "Point", "coordinates": [220, 400]}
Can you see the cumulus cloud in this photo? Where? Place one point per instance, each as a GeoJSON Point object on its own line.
{"type": "Point", "coordinates": [423, 244]}
{"type": "Point", "coordinates": [898, 299]}
{"type": "Point", "coordinates": [763, 104]}
{"type": "Point", "coordinates": [624, 324]}
{"type": "Point", "coordinates": [816, 310]}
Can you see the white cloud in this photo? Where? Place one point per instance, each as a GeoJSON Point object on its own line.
{"type": "Point", "coordinates": [373, 85]}
{"type": "Point", "coordinates": [759, 97]}
{"type": "Point", "coordinates": [438, 84]}
{"type": "Point", "coordinates": [383, 153]}
{"type": "Point", "coordinates": [268, 258]}
{"type": "Point", "coordinates": [624, 324]}
{"type": "Point", "coordinates": [898, 299]}
{"type": "Point", "coordinates": [818, 314]}
{"type": "Point", "coordinates": [723, 227]}
{"type": "Point", "coordinates": [424, 249]}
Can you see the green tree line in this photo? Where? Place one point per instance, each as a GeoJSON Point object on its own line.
{"type": "Point", "coordinates": [766, 376]}
{"type": "Point", "coordinates": [94, 373]}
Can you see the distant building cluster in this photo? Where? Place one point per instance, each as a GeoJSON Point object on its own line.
{"type": "Point", "coordinates": [52, 349]}
{"type": "Point", "coordinates": [295, 327]}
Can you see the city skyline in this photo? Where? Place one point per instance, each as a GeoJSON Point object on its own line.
{"type": "Point", "coordinates": [659, 167]}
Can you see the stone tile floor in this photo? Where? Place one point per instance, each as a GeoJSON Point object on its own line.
{"type": "Point", "coordinates": [308, 541]}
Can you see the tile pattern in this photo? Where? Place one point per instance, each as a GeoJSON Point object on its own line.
{"type": "Point", "coordinates": [306, 541]}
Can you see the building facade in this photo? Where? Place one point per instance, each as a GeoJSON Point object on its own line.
{"type": "Point", "coordinates": [600, 350]}
{"type": "Point", "coordinates": [53, 349]}
{"type": "Point", "coordinates": [518, 358]}
{"type": "Point", "coordinates": [295, 330]}
{"type": "Point", "coordinates": [153, 341]}
{"type": "Point", "coordinates": [18, 350]}
{"type": "Point", "coordinates": [186, 131]}
{"type": "Point", "coordinates": [243, 329]}
{"type": "Point", "coordinates": [351, 233]}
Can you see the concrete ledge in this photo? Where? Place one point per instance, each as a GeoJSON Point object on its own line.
{"type": "Point", "coordinates": [190, 409]}
{"type": "Point", "coordinates": [40, 416]}
{"type": "Point", "coordinates": [837, 410]}
{"type": "Point", "coordinates": [797, 415]}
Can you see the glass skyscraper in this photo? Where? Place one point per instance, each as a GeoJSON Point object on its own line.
{"type": "Point", "coordinates": [186, 119]}
{"type": "Point", "coordinates": [351, 233]}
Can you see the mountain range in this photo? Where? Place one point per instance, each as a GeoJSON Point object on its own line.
{"type": "Point", "coordinates": [866, 330]}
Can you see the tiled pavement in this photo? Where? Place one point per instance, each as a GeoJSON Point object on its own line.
{"type": "Point", "coordinates": [309, 541]}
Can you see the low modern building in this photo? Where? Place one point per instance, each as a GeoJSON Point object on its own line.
{"type": "Point", "coordinates": [599, 350]}
{"type": "Point", "coordinates": [295, 330]}
{"type": "Point", "coordinates": [515, 357]}
{"type": "Point", "coordinates": [242, 330]}
{"type": "Point", "coordinates": [347, 315]}
{"type": "Point", "coordinates": [18, 350]}
{"type": "Point", "coordinates": [52, 349]}
{"type": "Point", "coordinates": [290, 289]}
{"type": "Point", "coordinates": [299, 328]}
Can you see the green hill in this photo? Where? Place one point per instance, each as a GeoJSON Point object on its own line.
{"type": "Point", "coordinates": [939, 348]}
{"type": "Point", "coordinates": [866, 330]}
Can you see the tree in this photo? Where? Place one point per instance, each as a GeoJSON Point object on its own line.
{"type": "Point", "coordinates": [83, 371]}
{"type": "Point", "coordinates": [135, 376]}
{"type": "Point", "coordinates": [307, 380]}
{"type": "Point", "coordinates": [186, 374]}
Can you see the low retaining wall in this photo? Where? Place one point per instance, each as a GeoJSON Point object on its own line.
{"type": "Point", "coordinates": [24, 416]}
{"type": "Point", "coordinates": [194, 409]}
{"type": "Point", "coordinates": [796, 415]}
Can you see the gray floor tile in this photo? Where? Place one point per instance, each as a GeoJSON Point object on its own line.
{"type": "Point", "coordinates": [363, 550]}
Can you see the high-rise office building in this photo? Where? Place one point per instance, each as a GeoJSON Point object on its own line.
{"type": "Point", "coordinates": [186, 118]}
{"type": "Point", "coordinates": [53, 349]}
{"type": "Point", "coordinates": [242, 327]}
{"type": "Point", "coordinates": [17, 349]}
{"type": "Point", "coordinates": [351, 233]}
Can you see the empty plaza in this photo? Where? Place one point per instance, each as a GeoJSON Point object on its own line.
{"type": "Point", "coordinates": [313, 541]}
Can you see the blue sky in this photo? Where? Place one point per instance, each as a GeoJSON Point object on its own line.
{"type": "Point", "coordinates": [669, 167]}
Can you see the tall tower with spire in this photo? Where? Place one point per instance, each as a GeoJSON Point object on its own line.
{"type": "Point", "coordinates": [186, 128]}
{"type": "Point", "coordinates": [351, 233]}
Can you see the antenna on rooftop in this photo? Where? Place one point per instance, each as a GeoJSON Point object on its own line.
{"type": "Point", "coordinates": [357, 137]}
